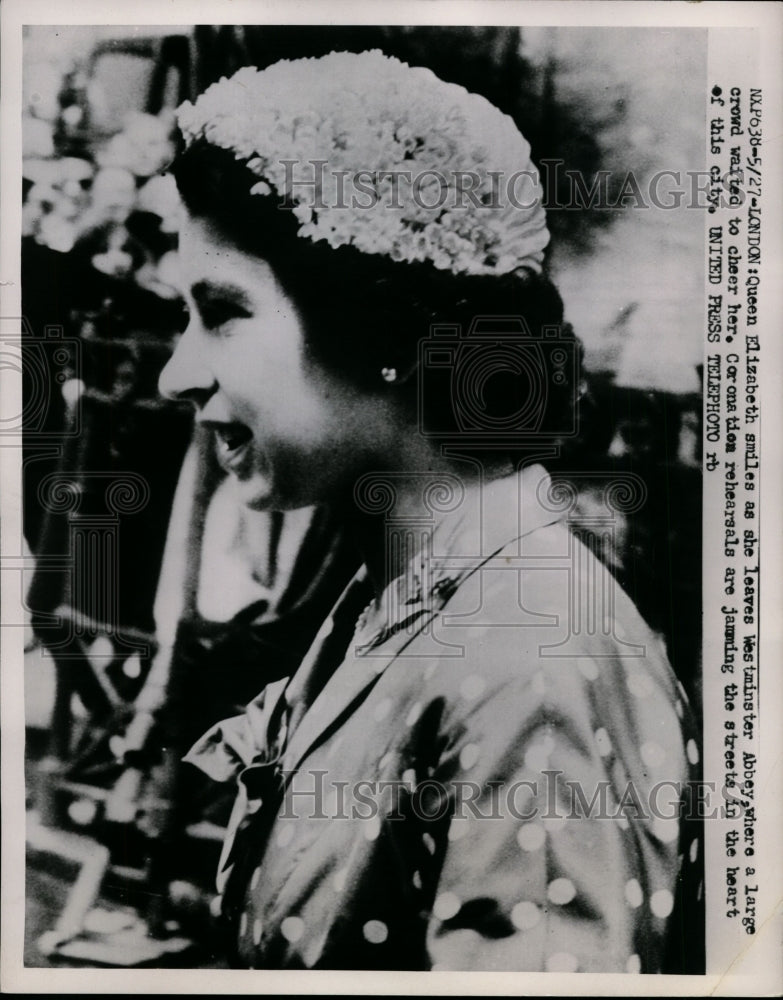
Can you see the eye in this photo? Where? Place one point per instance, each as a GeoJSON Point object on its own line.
{"type": "Point", "coordinates": [219, 303]}
{"type": "Point", "coordinates": [216, 313]}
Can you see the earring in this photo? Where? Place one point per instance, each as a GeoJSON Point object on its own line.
{"type": "Point", "coordinates": [389, 374]}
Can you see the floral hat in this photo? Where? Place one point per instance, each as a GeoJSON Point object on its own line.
{"type": "Point", "coordinates": [375, 154]}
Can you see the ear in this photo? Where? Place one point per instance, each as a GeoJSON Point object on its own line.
{"type": "Point", "coordinates": [399, 374]}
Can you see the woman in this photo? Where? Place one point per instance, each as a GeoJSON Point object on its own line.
{"type": "Point", "coordinates": [440, 783]}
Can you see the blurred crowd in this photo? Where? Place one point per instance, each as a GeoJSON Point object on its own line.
{"type": "Point", "coordinates": [114, 211]}
{"type": "Point", "coordinates": [99, 238]}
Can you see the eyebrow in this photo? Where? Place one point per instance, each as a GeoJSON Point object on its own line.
{"type": "Point", "coordinates": [205, 291]}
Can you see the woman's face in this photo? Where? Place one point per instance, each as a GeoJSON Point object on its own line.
{"type": "Point", "coordinates": [290, 433]}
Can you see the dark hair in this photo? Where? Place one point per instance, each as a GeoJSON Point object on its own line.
{"type": "Point", "coordinates": [361, 312]}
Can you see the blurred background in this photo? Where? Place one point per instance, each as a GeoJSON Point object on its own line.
{"type": "Point", "coordinates": [159, 605]}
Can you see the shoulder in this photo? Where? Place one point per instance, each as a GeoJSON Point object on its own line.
{"type": "Point", "coordinates": [542, 592]}
{"type": "Point", "coordinates": [542, 629]}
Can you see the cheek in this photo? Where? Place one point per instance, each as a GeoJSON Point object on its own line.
{"type": "Point", "coordinates": [248, 370]}
{"type": "Point", "coordinates": [273, 395]}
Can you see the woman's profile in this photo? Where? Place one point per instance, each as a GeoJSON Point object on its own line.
{"type": "Point", "coordinates": [481, 762]}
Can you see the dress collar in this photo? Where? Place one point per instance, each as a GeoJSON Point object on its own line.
{"type": "Point", "coordinates": [485, 517]}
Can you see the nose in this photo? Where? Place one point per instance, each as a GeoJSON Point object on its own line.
{"type": "Point", "coordinates": [186, 376]}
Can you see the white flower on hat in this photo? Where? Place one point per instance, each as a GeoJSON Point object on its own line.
{"type": "Point", "coordinates": [326, 134]}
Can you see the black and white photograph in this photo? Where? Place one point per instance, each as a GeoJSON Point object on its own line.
{"type": "Point", "coordinates": [385, 488]}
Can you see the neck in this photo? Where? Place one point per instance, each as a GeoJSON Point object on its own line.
{"type": "Point", "coordinates": [390, 511]}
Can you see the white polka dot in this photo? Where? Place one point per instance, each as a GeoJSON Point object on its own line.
{"type": "Point", "coordinates": [257, 928]}
{"type": "Point", "coordinates": [382, 709]}
{"type": "Point", "coordinates": [667, 830]}
{"type": "Point", "coordinates": [469, 754]}
{"type": "Point", "coordinates": [603, 742]}
{"type": "Point", "coordinates": [292, 928]}
{"type": "Point", "coordinates": [216, 906]}
{"type": "Point", "coordinates": [82, 811]}
{"type": "Point", "coordinates": [633, 965]}
{"type": "Point", "coordinates": [561, 891]}
{"type": "Point", "coordinates": [254, 878]}
{"type": "Point", "coordinates": [694, 851]}
{"type": "Point", "coordinates": [472, 687]}
{"type": "Point", "coordinates": [539, 682]}
{"type": "Point", "coordinates": [652, 754]}
{"type": "Point", "coordinates": [693, 752]}
{"type": "Point", "coordinates": [562, 961]}
{"type": "Point", "coordinates": [662, 903]}
{"type": "Point", "coordinates": [243, 925]}
{"type": "Point", "coordinates": [375, 931]}
{"type": "Point", "coordinates": [428, 842]}
{"type": "Point", "coordinates": [371, 828]}
{"type": "Point", "coordinates": [414, 713]}
{"type": "Point", "coordinates": [416, 880]}
{"type": "Point", "coordinates": [639, 684]}
{"type": "Point", "coordinates": [588, 669]}
{"type": "Point", "coordinates": [285, 835]}
{"type": "Point", "coordinates": [531, 836]}
{"type": "Point", "coordinates": [101, 649]}
{"type": "Point", "coordinates": [338, 881]}
{"type": "Point", "coordinates": [446, 906]}
{"type": "Point", "coordinates": [634, 896]}
{"type": "Point", "coordinates": [525, 916]}
{"type": "Point", "coordinates": [409, 777]}
{"type": "Point", "coordinates": [458, 829]}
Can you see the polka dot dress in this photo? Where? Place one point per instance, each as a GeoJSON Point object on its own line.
{"type": "Point", "coordinates": [528, 829]}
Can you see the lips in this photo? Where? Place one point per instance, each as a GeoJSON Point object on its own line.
{"type": "Point", "coordinates": [232, 444]}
